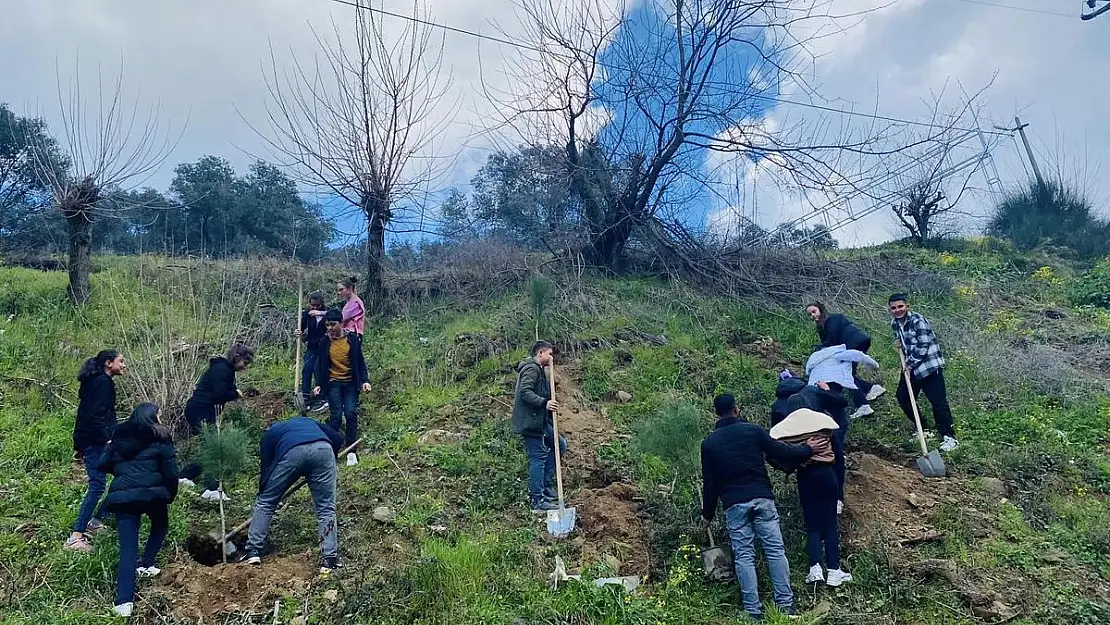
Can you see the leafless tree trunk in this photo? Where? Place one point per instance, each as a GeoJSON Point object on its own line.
{"type": "Point", "coordinates": [362, 122]}
{"type": "Point", "coordinates": [105, 146]}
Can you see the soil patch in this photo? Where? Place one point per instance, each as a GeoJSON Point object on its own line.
{"type": "Point", "coordinates": [269, 406]}
{"type": "Point", "coordinates": [199, 593]}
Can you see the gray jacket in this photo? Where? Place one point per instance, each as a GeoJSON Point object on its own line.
{"type": "Point", "coordinates": [834, 364]}
{"type": "Point", "coordinates": [530, 415]}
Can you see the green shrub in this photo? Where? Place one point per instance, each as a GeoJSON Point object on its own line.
{"type": "Point", "coordinates": [674, 435]}
{"type": "Point", "coordinates": [1093, 287]}
{"type": "Point", "coordinates": [1050, 214]}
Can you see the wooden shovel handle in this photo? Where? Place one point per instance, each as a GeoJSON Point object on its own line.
{"type": "Point", "coordinates": [555, 437]}
{"type": "Point", "coordinates": [913, 401]}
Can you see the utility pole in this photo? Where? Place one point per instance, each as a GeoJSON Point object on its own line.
{"type": "Point", "coordinates": [1028, 150]}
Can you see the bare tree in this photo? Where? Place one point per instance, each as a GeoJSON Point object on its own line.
{"type": "Point", "coordinates": [362, 122]}
{"type": "Point", "coordinates": [638, 110]}
{"type": "Point", "coordinates": [105, 145]}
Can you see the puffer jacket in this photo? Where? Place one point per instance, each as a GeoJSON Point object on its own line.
{"type": "Point", "coordinates": [96, 411]}
{"type": "Point", "coordinates": [530, 415]}
{"type": "Point", "coordinates": [144, 468]}
{"type": "Point", "coordinates": [834, 365]}
{"type": "Point", "coordinates": [839, 330]}
{"type": "Point", "coordinates": [794, 393]}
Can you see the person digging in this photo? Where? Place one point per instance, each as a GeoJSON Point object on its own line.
{"type": "Point", "coordinates": [914, 336]}
{"type": "Point", "coordinates": [532, 409]}
{"type": "Point", "coordinates": [340, 375]}
{"type": "Point", "coordinates": [292, 449]}
{"type": "Point", "coordinates": [734, 472]}
{"type": "Point", "coordinates": [836, 329]}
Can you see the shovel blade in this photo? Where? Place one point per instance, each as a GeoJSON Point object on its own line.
{"type": "Point", "coordinates": [932, 465]}
{"type": "Point", "coordinates": [560, 523]}
{"type": "Point", "coordinates": [717, 563]}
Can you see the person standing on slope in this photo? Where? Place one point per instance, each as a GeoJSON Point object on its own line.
{"type": "Point", "coordinates": [96, 420]}
{"type": "Point", "coordinates": [532, 408]}
{"type": "Point", "coordinates": [354, 311]}
{"type": "Point", "coordinates": [836, 329]}
{"type": "Point", "coordinates": [734, 472]}
{"type": "Point", "coordinates": [340, 375]}
{"type": "Point", "coordinates": [141, 457]}
{"type": "Point", "coordinates": [914, 336]}
{"type": "Point", "coordinates": [292, 449]}
{"type": "Point", "coordinates": [313, 329]}
{"type": "Point", "coordinates": [214, 389]}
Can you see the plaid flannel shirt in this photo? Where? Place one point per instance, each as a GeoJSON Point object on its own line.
{"type": "Point", "coordinates": [919, 343]}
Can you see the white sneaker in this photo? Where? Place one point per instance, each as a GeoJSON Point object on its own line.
{"type": "Point", "coordinates": [214, 495]}
{"type": "Point", "coordinates": [815, 574]}
{"type": "Point", "coordinates": [948, 444]}
{"type": "Point", "coordinates": [840, 507]}
{"type": "Point", "coordinates": [186, 482]}
{"type": "Point", "coordinates": [837, 577]}
{"type": "Point", "coordinates": [863, 411]}
{"type": "Point", "coordinates": [352, 459]}
{"type": "Point", "coordinates": [254, 561]}
{"type": "Point", "coordinates": [148, 571]}
{"type": "Point", "coordinates": [875, 392]}
{"type": "Point", "coordinates": [124, 609]}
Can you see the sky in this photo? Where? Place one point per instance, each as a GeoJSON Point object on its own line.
{"type": "Point", "coordinates": [202, 63]}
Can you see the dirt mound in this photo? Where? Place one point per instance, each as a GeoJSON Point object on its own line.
{"type": "Point", "coordinates": [199, 593]}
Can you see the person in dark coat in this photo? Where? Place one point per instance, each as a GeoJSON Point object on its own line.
{"type": "Point", "coordinates": [292, 449]}
{"type": "Point", "coordinates": [141, 458]}
{"type": "Point", "coordinates": [312, 332]}
{"type": "Point", "coordinates": [214, 389]}
{"type": "Point", "coordinates": [734, 472]}
{"type": "Point", "coordinates": [532, 408]}
{"type": "Point", "coordinates": [340, 374]}
{"type": "Point", "coordinates": [96, 420]}
{"type": "Point", "coordinates": [836, 329]}
{"type": "Point", "coordinates": [794, 394]}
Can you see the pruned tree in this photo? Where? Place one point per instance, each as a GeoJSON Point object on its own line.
{"type": "Point", "coordinates": [106, 144]}
{"type": "Point", "coordinates": [639, 98]}
{"type": "Point", "coordinates": [362, 122]}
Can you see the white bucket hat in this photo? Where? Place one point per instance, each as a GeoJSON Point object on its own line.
{"type": "Point", "coordinates": [801, 422]}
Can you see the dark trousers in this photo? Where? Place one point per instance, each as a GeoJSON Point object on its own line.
{"type": "Point", "coordinates": [541, 462]}
{"type": "Point", "coordinates": [817, 489]}
{"type": "Point", "coordinates": [97, 482]}
{"type": "Point", "coordinates": [307, 372]}
{"type": "Point", "coordinates": [839, 436]}
{"type": "Point", "coordinates": [128, 527]}
{"type": "Point", "coordinates": [343, 401]}
{"type": "Point", "coordinates": [936, 393]}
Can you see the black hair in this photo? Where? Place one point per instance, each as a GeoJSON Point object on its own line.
{"type": "Point", "coordinates": [240, 352]}
{"type": "Point", "coordinates": [898, 297]}
{"type": "Point", "coordinates": [540, 345]}
{"type": "Point", "coordinates": [147, 414]}
{"type": "Point", "coordinates": [820, 306]}
{"type": "Point", "coordinates": [333, 315]}
{"type": "Point", "coordinates": [316, 296]}
{"type": "Point", "coordinates": [350, 282]}
{"type": "Point", "coordinates": [96, 364]}
{"type": "Point", "coordinates": [724, 404]}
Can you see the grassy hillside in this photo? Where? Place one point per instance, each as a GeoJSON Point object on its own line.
{"type": "Point", "coordinates": [1020, 534]}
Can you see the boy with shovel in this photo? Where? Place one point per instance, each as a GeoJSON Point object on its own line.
{"type": "Point", "coordinates": [915, 338]}
{"type": "Point", "coordinates": [532, 408]}
{"type": "Point", "coordinates": [734, 471]}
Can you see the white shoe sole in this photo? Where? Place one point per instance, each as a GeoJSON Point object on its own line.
{"type": "Point", "coordinates": [860, 413]}
{"type": "Point", "coordinates": [837, 582]}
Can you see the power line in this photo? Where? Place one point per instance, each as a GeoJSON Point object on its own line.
{"type": "Point", "coordinates": [515, 44]}
{"type": "Point", "coordinates": [999, 5]}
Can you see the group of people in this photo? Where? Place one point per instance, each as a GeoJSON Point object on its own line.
{"type": "Point", "coordinates": [810, 422]}
{"type": "Point", "coordinates": [141, 455]}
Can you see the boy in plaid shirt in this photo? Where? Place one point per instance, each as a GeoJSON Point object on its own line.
{"type": "Point", "coordinates": [915, 337]}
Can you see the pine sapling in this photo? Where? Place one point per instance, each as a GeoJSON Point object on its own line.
{"type": "Point", "coordinates": [541, 293]}
{"type": "Point", "coordinates": [223, 453]}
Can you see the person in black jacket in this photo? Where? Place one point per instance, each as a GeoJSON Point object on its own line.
{"type": "Point", "coordinates": [96, 419]}
{"type": "Point", "coordinates": [836, 329]}
{"type": "Point", "coordinates": [532, 420]}
{"type": "Point", "coordinates": [340, 375]}
{"type": "Point", "coordinates": [734, 472]}
{"type": "Point", "coordinates": [312, 332]}
{"type": "Point", "coordinates": [291, 449]}
{"type": "Point", "coordinates": [793, 393]}
{"type": "Point", "coordinates": [141, 457]}
{"type": "Point", "coordinates": [214, 389]}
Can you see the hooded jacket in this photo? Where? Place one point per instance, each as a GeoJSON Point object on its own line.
{"type": "Point", "coordinates": [530, 415]}
{"type": "Point", "coordinates": [838, 330]}
{"type": "Point", "coordinates": [834, 365]}
{"type": "Point", "coordinates": [144, 466]}
{"type": "Point", "coordinates": [96, 411]}
{"type": "Point", "coordinates": [358, 362]}
{"type": "Point", "coordinates": [282, 436]}
{"type": "Point", "coordinates": [793, 394]}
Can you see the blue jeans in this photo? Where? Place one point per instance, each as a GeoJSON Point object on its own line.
{"type": "Point", "coordinates": [97, 483]}
{"type": "Point", "coordinates": [541, 462]}
{"type": "Point", "coordinates": [307, 371]}
{"type": "Point", "coordinates": [343, 401]}
{"type": "Point", "coordinates": [818, 490]}
{"type": "Point", "coordinates": [316, 463]}
{"type": "Point", "coordinates": [759, 517]}
{"type": "Point", "coordinates": [128, 527]}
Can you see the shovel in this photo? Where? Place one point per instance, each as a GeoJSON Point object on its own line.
{"type": "Point", "coordinates": [560, 523]}
{"type": "Point", "coordinates": [716, 561]}
{"type": "Point", "coordinates": [229, 547]}
{"type": "Point", "coordinates": [930, 463]}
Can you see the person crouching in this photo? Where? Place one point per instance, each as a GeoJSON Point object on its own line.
{"type": "Point", "coordinates": [818, 491]}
